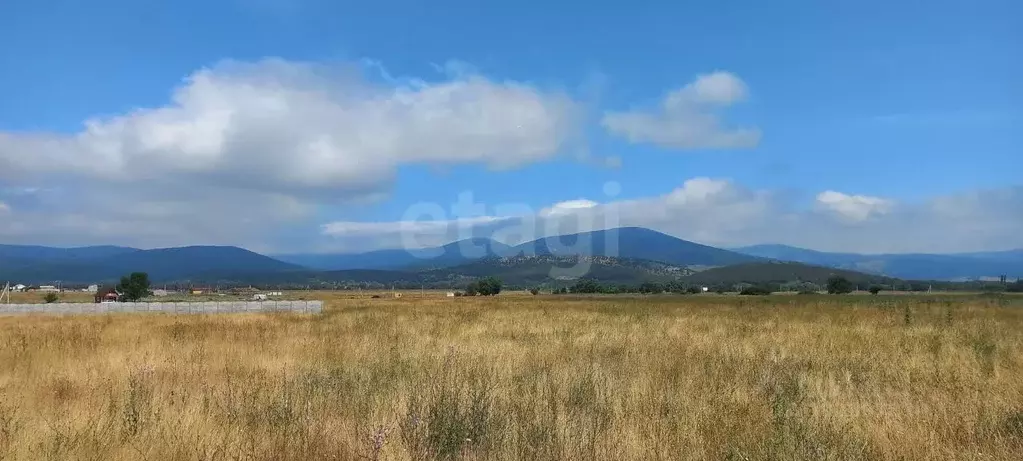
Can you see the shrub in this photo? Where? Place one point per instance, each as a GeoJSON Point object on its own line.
{"type": "Point", "coordinates": [755, 291]}
{"type": "Point", "coordinates": [875, 289]}
{"type": "Point", "coordinates": [838, 285]}
{"type": "Point", "coordinates": [50, 298]}
{"type": "Point", "coordinates": [534, 291]}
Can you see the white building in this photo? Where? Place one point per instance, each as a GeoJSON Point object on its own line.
{"type": "Point", "coordinates": [259, 297]}
{"type": "Point", "coordinates": [48, 289]}
{"type": "Point", "coordinates": [92, 289]}
{"type": "Point", "coordinates": [19, 287]}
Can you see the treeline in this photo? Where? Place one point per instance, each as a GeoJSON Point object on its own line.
{"type": "Point", "coordinates": [834, 285]}
{"type": "Point", "coordinates": [680, 286]}
{"type": "Point", "coordinates": [588, 286]}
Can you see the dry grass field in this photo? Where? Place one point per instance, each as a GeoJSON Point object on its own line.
{"type": "Point", "coordinates": [519, 377]}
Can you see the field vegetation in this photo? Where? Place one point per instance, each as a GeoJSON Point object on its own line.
{"type": "Point", "coordinates": [524, 377]}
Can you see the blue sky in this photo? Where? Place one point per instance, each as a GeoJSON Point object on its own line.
{"type": "Point", "coordinates": [900, 109]}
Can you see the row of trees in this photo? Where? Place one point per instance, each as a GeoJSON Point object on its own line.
{"type": "Point", "coordinates": [835, 285]}
{"type": "Point", "coordinates": [589, 286]}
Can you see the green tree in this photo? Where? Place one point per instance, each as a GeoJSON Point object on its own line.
{"type": "Point", "coordinates": [875, 289]}
{"type": "Point", "coordinates": [534, 291]}
{"type": "Point", "coordinates": [50, 298]}
{"type": "Point", "coordinates": [838, 285]}
{"type": "Point", "coordinates": [472, 289]}
{"type": "Point", "coordinates": [490, 286]}
{"type": "Point", "coordinates": [134, 287]}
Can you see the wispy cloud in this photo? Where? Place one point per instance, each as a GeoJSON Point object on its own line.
{"type": "Point", "coordinates": [687, 117]}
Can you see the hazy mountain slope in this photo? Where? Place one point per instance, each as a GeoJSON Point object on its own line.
{"type": "Point", "coordinates": [904, 266]}
{"type": "Point", "coordinates": [167, 264]}
{"type": "Point", "coordinates": [532, 270]}
{"type": "Point", "coordinates": [448, 255]}
{"type": "Point", "coordinates": [43, 253]}
{"type": "Point", "coordinates": [779, 272]}
{"type": "Point", "coordinates": [634, 243]}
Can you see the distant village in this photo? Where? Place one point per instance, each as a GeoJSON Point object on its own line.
{"type": "Point", "coordinates": [108, 293]}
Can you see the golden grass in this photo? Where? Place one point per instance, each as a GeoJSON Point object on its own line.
{"type": "Point", "coordinates": [514, 377]}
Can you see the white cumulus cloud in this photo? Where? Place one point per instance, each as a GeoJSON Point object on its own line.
{"type": "Point", "coordinates": [295, 126]}
{"type": "Point", "coordinates": [243, 146]}
{"type": "Point", "coordinates": [688, 117]}
{"type": "Point", "coordinates": [854, 208]}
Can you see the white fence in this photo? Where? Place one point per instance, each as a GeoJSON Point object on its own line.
{"type": "Point", "coordinates": [212, 307]}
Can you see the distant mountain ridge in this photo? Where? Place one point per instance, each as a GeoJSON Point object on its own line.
{"type": "Point", "coordinates": [52, 253]}
{"type": "Point", "coordinates": [104, 264]}
{"type": "Point", "coordinates": [622, 254]}
{"type": "Point", "coordinates": [964, 266]}
{"type": "Point", "coordinates": [782, 272]}
{"type": "Point", "coordinates": [634, 243]}
{"type": "Point", "coordinates": [452, 254]}
{"type": "Point", "coordinates": [624, 242]}
{"type": "Point", "coordinates": [538, 269]}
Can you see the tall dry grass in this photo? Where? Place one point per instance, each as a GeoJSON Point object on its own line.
{"type": "Point", "coordinates": [524, 378]}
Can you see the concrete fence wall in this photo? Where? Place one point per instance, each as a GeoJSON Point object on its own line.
{"type": "Point", "coordinates": [212, 307]}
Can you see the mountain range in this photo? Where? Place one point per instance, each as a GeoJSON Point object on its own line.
{"type": "Point", "coordinates": [102, 264]}
{"type": "Point", "coordinates": [626, 242]}
{"type": "Point", "coordinates": [954, 267]}
{"type": "Point", "coordinates": [623, 255]}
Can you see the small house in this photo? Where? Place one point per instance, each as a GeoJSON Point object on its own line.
{"type": "Point", "coordinates": [48, 289]}
{"type": "Point", "coordinates": [106, 295]}
{"type": "Point", "coordinates": [19, 288]}
{"type": "Point", "coordinates": [259, 297]}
